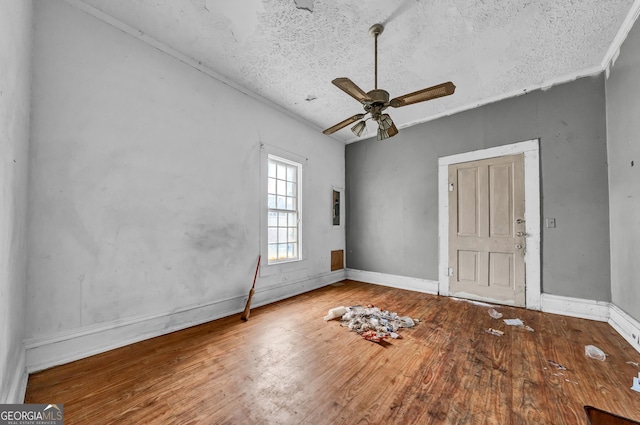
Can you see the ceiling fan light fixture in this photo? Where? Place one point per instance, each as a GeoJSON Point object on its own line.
{"type": "Point", "coordinates": [392, 131]}
{"type": "Point", "coordinates": [385, 122]}
{"type": "Point", "coordinates": [382, 134]}
{"type": "Point", "coordinates": [359, 128]}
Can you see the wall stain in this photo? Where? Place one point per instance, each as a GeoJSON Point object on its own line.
{"type": "Point", "coordinates": [206, 238]}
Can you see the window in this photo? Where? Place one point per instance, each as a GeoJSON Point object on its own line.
{"type": "Point", "coordinates": [283, 204]}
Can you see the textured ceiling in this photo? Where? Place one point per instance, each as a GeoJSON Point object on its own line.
{"type": "Point", "coordinates": [288, 51]}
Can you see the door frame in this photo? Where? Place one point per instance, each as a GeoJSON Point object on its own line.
{"type": "Point", "coordinates": [532, 260]}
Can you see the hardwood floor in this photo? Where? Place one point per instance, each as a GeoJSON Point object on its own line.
{"type": "Point", "coordinates": [288, 366]}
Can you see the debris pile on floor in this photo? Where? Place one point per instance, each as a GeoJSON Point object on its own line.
{"type": "Point", "coordinates": [493, 313]}
{"type": "Point", "coordinates": [518, 323]}
{"type": "Point", "coordinates": [495, 332]}
{"type": "Point", "coordinates": [335, 313]}
{"type": "Point", "coordinates": [509, 322]}
{"type": "Point", "coordinates": [513, 322]}
{"type": "Point", "coordinates": [594, 352]}
{"type": "Point", "coordinates": [557, 365]}
{"type": "Point", "coordinates": [370, 322]}
{"type": "Point", "coordinates": [562, 372]}
{"type": "Point", "coordinates": [636, 383]}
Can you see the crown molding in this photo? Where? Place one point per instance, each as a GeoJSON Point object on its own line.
{"type": "Point", "coordinates": [145, 38]}
{"type": "Point", "coordinates": [614, 50]}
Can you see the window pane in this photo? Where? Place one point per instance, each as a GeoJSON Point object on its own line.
{"type": "Point", "coordinates": [273, 219]}
{"type": "Point", "coordinates": [273, 235]}
{"type": "Point", "coordinates": [290, 203]}
{"type": "Point", "coordinates": [292, 251]}
{"type": "Point", "coordinates": [291, 189]}
{"type": "Point", "coordinates": [282, 203]}
{"type": "Point", "coordinates": [282, 251]}
{"type": "Point", "coordinates": [282, 187]}
{"type": "Point", "coordinates": [282, 219]}
{"type": "Point", "coordinates": [282, 172]}
{"type": "Point", "coordinates": [272, 186]}
{"type": "Point", "coordinates": [273, 252]}
{"type": "Point", "coordinates": [282, 235]}
{"type": "Point", "coordinates": [291, 174]}
{"type": "Point", "coordinates": [271, 201]}
{"type": "Point", "coordinates": [293, 219]}
{"type": "Point", "coordinates": [272, 169]}
{"type": "Point", "coordinates": [291, 234]}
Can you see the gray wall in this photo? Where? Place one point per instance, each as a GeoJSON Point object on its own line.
{"type": "Point", "coordinates": [392, 210]}
{"type": "Point", "coordinates": [623, 136]}
{"type": "Point", "coordinates": [15, 71]}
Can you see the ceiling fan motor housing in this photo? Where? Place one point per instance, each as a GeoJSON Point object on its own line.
{"type": "Point", "coordinates": [376, 103]}
{"type": "Point", "coordinates": [378, 96]}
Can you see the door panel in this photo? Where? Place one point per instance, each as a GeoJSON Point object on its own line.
{"type": "Point", "coordinates": [500, 200]}
{"type": "Point", "coordinates": [468, 266]}
{"type": "Point", "coordinates": [468, 200]}
{"type": "Point", "coordinates": [486, 239]}
{"type": "Point", "coordinates": [501, 269]}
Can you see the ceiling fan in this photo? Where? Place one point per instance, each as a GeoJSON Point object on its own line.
{"type": "Point", "coordinates": [377, 100]}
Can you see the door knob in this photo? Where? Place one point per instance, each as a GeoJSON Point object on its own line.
{"type": "Point", "coordinates": [519, 246]}
{"type": "Point", "coordinates": [521, 234]}
{"type": "Point", "coordinates": [520, 220]}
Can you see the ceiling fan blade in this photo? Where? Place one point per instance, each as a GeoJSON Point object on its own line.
{"type": "Point", "coordinates": [444, 89]}
{"type": "Point", "coordinates": [350, 88]}
{"type": "Point", "coordinates": [344, 123]}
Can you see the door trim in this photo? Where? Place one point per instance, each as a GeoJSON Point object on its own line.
{"type": "Point", "coordinates": [531, 151]}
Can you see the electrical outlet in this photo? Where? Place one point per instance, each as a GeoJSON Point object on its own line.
{"type": "Point", "coordinates": [551, 223]}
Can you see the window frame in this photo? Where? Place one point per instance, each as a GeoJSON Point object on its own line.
{"type": "Point", "coordinates": [278, 159]}
{"type": "Point", "coordinates": [278, 269]}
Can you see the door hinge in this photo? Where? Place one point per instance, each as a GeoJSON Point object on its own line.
{"type": "Point", "coordinates": [451, 187]}
{"type": "Point", "coordinates": [449, 271]}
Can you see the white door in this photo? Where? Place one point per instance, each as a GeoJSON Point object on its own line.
{"type": "Point", "coordinates": [487, 230]}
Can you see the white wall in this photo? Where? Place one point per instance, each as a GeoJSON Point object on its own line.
{"type": "Point", "coordinates": [623, 143]}
{"type": "Point", "coordinates": [15, 51]}
{"type": "Point", "coordinates": [145, 192]}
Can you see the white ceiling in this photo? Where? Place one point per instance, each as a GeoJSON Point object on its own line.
{"type": "Point", "coordinates": [288, 51]}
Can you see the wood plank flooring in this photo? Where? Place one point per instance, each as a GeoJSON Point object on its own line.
{"type": "Point", "coordinates": [288, 366]}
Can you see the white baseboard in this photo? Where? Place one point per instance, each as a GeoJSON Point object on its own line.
{"type": "Point", "coordinates": [625, 325]}
{"type": "Point", "coordinates": [43, 353]}
{"type": "Point", "coordinates": [394, 281]}
{"type": "Point", "coordinates": [575, 307]}
{"type": "Point", "coordinates": [290, 289]}
{"type": "Point", "coordinates": [18, 382]}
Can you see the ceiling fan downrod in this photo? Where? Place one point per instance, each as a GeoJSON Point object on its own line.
{"type": "Point", "coordinates": [375, 31]}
